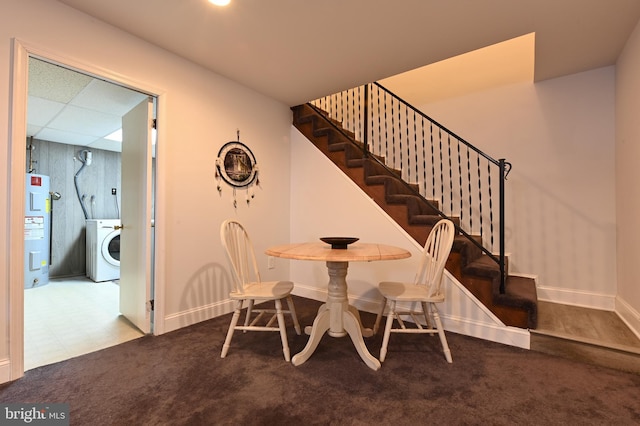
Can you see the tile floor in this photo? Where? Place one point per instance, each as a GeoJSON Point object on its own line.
{"type": "Point", "coordinates": [72, 317]}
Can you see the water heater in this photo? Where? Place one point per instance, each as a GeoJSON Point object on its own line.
{"type": "Point", "coordinates": [37, 221]}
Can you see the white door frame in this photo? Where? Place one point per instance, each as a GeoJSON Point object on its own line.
{"type": "Point", "coordinates": [17, 160]}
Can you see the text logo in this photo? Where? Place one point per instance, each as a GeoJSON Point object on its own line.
{"type": "Point", "coordinates": [34, 414]}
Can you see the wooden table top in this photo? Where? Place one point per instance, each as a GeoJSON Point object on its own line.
{"type": "Point", "coordinates": [356, 252]}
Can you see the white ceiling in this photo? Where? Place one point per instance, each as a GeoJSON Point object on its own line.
{"type": "Point", "coordinates": [298, 50]}
{"type": "Point", "coordinates": [73, 108]}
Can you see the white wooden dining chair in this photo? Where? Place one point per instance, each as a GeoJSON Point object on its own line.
{"type": "Point", "coordinates": [425, 291]}
{"type": "Point", "coordinates": [248, 287]}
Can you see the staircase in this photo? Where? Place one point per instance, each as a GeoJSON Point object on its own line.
{"type": "Point", "coordinates": [515, 306]}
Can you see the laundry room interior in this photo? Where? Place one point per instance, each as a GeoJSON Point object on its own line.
{"type": "Point", "coordinates": [98, 186]}
{"type": "Point", "coordinates": [73, 162]}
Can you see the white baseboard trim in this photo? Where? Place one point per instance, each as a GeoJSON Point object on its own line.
{"type": "Point", "coordinates": [511, 336]}
{"type": "Point", "coordinates": [193, 316]}
{"type": "Point", "coordinates": [5, 370]}
{"type": "Point", "coordinates": [585, 299]}
{"type": "Point", "coordinates": [503, 334]}
{"type": "Point", "coordinates": [628, 315]}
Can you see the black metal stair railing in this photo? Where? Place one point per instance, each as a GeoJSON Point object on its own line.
{"type": "Point", "coordinates": [454, 176]}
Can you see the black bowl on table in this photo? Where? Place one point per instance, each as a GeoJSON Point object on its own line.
{"type": "Point", "coordinates": [339, 242]}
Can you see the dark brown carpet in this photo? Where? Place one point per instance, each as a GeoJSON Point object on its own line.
{"type": "Point", "coordinates": [180, 379]}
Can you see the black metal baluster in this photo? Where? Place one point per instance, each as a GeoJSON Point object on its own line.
{"type": "Point", "coordinates": [379, 117]}
{"type": "Point", "coordinates": [355, 109]}
{"type": "Point", "coordinates": [386, 133]}
{"type": "Point", "coordinates": [450, 173]}
{"type": "Point", "coordinates": [350, 109]}
{"type": "Point", "coordinates": [424, 159]}
{"type": "Point", "coordinates": [400, 134]}
{"type": "Point", "coordinates": [393, 136]}
{"type": "Point", "coordinates": [433, 162]}
{"type": "Point", "coordinates": [365, 131]}
{"type": "Point", "coordinates": [469, 188]}
{"type": "Point", "coordinates": [480, 198]}
{"type": "Point", "coordinates": [415, 144]}
{"type": "Point", "coordinates": [503, 176]}
{"type": "Point", "coordinates": [460, 183]}
{"type": "Point", "coordinates": [408, 169]}
{"type": "Point", "coordinates": [441, 168]}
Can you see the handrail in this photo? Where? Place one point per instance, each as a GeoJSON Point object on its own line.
{"type": "Point", "coordinates": [430, 156]}
{"type": "Point", "coordinates": [437, 124]}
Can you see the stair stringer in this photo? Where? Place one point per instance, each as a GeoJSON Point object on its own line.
{"type": "Point", "coordinates": [317, 209]}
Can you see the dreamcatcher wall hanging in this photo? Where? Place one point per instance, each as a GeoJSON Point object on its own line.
{"type": "Point", "coordinates": [236, 165]}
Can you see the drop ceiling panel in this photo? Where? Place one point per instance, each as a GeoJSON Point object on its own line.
{"type": "Point", "coordinates": [86, 121]}
{"type": "Point", "coordinates": [32, 130]}
{"type": "Point", "coordinates": [71, 138]}
{"type": "Point", "coordinates": [107, 97]}
{"type": "Point", "coordinates": [106, 144]}
{"type": "Point", "coordinates": [69, 107]}
{"type": "Point", "coordinates": [55, 83]}
{"type": "Point", "coordinates": [41, 111]}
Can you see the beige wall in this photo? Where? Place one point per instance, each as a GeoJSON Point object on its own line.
{"type": "Point", "coordinates": [627, 178]}
{"type": "Point", "coordinates": [202, 112]}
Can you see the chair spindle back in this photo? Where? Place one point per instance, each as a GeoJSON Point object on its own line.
{"type": "Point", "coordinates": [237, 244]}
{"type": "Point", "coordinates": [434, 256]}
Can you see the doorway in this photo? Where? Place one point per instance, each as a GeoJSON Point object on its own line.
{"type": "Point", "coordinates": [74, 136]}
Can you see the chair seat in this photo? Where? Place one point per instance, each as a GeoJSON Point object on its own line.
{"type": "Point", "coordinates": [406, 292]}
{"type": "Point", "coordinates": [269, 290]}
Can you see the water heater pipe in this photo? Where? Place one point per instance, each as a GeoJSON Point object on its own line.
{"type": "Point", "coordinates": [54, 196]}
{"type": "Point", "coordinates": [85, 162]}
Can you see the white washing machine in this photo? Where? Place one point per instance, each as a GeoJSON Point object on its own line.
{"type": "Point", "coordinates": [103, 249]}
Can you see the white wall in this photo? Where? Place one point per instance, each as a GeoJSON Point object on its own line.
{"type": "Point", "coordinates": [560, 205]}
{"type": "Point", "coordinates": [627, 178]}
{"type": "Point", "coordinates": [201, 112]}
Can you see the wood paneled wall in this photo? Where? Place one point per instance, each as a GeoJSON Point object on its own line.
{"type": "Point", "coordinates": [60, 162]}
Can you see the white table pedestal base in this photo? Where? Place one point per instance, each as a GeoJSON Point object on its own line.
{"type": "Point", "coordinates": [338, 319]}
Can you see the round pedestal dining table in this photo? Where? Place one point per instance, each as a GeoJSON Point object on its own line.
{"type": "Point", "coordinates": [336, 317]}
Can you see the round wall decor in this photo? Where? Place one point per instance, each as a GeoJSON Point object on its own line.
{"type": "Point", "coordinates": [237, 165]}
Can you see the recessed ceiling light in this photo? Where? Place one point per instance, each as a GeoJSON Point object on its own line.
{"type": "Point", "coordinates": [220, 2]}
